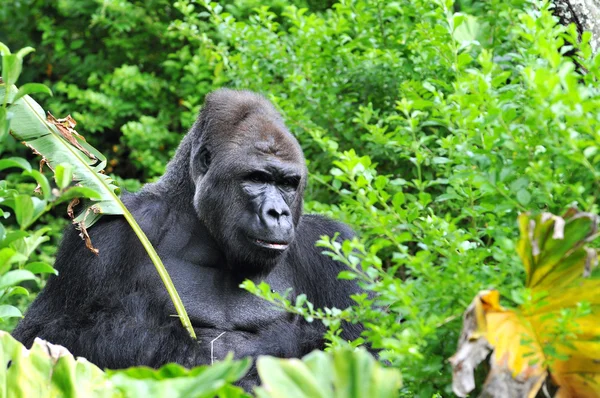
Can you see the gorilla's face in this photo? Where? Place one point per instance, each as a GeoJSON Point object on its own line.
{"type": "Point", "coordinates": [250, 193]}
{"type": "Point", "coordinates": [269, 189]}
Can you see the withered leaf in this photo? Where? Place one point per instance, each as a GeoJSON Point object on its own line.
{"type": "Point", "coordinates": [66, 127]}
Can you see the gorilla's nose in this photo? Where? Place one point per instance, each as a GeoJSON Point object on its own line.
{"type": "Point", "coordinates": [277, 213]}
{"type": "Point", "coordinates": [278, 221]}
{"type": "Point", "coordinates": [276, 218]}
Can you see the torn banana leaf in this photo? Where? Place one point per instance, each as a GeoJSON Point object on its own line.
{"type": "Point", "coordinates": [524, 344]}
{"type": "Point", "coordinates": [57, 142]}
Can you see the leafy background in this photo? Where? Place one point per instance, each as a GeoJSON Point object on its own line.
{"type": "Point", "coordinates": [429, 125]}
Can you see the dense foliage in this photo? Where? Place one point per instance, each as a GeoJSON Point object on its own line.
{"type": "Point", "coordinates": [429, 125]}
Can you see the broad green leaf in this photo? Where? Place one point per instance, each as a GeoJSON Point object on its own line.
{"type": "Point", "coordinates": [291, 378]}
{"type": "Point", "coordinates": [11, 69]}
{"type": "Point", "coordinates": [524, 197]}
{"type": "Point", "coordinates": [29, 124]}
{"type": "Point", "coordinates": [18, 291]}
{"type": "Point", "coordinates": [32, 88]}
{"type": "Point", "coordinates": [9, 311]}
{"type": "Point", "coordinates": [343, 373]}
{"type": "Point", "coordinates": [15, 162]}
{"type": "Point", "coordinates": [63, 175]}
{"type": "Point", "coordinates": [173, 380]}
{"type": "Point", "coordinates": [14, 277]}
{"type": "Point", "coordinates": [78, 192]}
{"type": "Point", "coordinates": [24, 210]}
{"type": "Point", "coordinates": [40, 268]}
{"type": "Point", "coordinates": [466, 30]}
{"type": "Point", "coordinates": [48, 370]}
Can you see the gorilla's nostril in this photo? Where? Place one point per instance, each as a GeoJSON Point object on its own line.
{"type": "Point", "coordinates": [277, 213]}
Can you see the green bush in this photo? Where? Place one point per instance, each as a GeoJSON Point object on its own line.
{"type": "Point", "coordinates": [427, 129]}
{"type": "Point", "coordinates": [438, 128]}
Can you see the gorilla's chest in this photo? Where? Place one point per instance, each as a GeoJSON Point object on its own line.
{"type": "Point", "coordinates": [214, 300]}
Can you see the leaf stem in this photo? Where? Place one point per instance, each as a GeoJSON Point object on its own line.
{"type": "Point", "coordinates": [162, 272]}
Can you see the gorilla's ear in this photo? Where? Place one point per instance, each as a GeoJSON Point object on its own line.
{"type": "Point", "coordinates": [200, 162]}
{"type": "Point", "coordinates": [203, 160]}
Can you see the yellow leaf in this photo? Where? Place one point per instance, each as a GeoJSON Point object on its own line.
{"type": "Point", "coordinates": [553, 335]}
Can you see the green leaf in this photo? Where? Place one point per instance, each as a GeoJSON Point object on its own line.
{"type": "Point", "coordinates": [518, 184]}
{"type": "Point", "coordinates": [440, 160]}
{"type": "Point", "coordinates": [24, 51]}
{"type": "Point", "coordinates": [13, 236]}
{"type": "Point", "coordinates": [12, 278]}
{"type": "Point", "coordinates": [63, 175]}
{"type": "Point", "coordinates": [466, 30]}
{"type": "Point", "coordinates": [11, 69]}
{"type": "Point", "coordinates": [41, 372]}
{"type": "Point", "coordinates": [398, 200]}
{"type": "Point", "coordinates": [4, 49]}
{"type": "Point", "coordinates": [342, 373]}
{"type": "Point", "coordinates": [42, 181]}
{"type": "Point", "coordinates": [291, 378]}
{"type": "Point", "coordinates": [524, 197]}
{"type": "Point", "coordinates": [78, 192]}
{"type": "Point", "coordinates": [175, 380]}
{"type": "Point", "coordinates": [347, 275]}
{"type": "Point", "coordinates": [39, 267]}
{"type": "Point", "coordinates": [24, 211]}
{"type": "Point", "coordinates": [18, 291]}
{"type": "Point", "coordinates": [4, 123]}
{"type": "Point", "coordinates": [15, 162]}
{"type": "Point", "coordinates": [9, 311]}
{"type": "Point", "coordinates": [31, 88]}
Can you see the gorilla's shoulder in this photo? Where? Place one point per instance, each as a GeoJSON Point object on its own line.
{"type": "Point", "coordinates": [113, 230]}
{"type": "Point", "coordinates": [321, 225]}
{"type": "Point", "coordinates": [313, 226]}
{"type": "Point", "coordinates": [315, 272]}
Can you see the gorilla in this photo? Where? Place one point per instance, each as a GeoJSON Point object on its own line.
{"type": "Point", "coordinates": [228, 208]}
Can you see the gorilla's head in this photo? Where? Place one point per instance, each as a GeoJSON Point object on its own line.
{"type": "Point", "coordinates": [249, 174]}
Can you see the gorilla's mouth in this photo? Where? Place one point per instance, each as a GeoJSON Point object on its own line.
{"type": "Point", "coordinates": [281, 246]}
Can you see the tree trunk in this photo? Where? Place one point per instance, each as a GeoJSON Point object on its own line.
{"type": "Point", "coordinates": [585, 14]}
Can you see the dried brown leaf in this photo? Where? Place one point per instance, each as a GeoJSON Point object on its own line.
{"type": "Point", "coordinates": [83, 234]}
{"type": "Point", "coordinates": [66, 127]}
{"type": "Point", "coordinates": [71, 206]}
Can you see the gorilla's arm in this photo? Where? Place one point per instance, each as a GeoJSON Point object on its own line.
{"type": "Point", "coordinates": [107, 307]}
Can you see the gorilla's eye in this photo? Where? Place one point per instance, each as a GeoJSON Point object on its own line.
{"type": "Point", "coordinates": [258, 177]}
{"type": "Point", "coordinates": [291, 182]}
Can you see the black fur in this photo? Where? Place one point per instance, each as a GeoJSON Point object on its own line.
{"type": "Point", "coordinates": [214, 221]}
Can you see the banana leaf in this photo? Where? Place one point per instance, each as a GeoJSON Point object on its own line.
{"type": "Point", "coordinates": [57, 142]}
